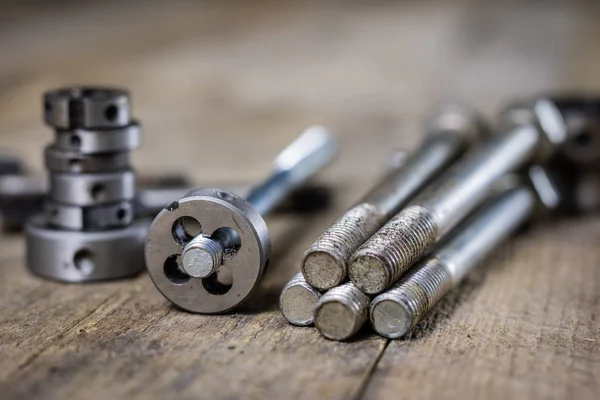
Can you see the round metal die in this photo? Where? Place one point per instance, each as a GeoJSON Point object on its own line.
{"type": "Point", "coordinates": [87, 107]}
{"type": "Point", "coordinates": [59, 160]}
{"type": "Point", "coordinates": [89, 141]}
{"type": "Point", "coordinates": [74, 256]}
{"type": "Point", "coordinates": [116, 215]}
{"type": "Point", "coordinates": [92, 189]}
{"type": "Point", "coordinates": [214, 210]}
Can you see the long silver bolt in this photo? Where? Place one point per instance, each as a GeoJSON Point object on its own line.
{"type": "Point", "coordinates": [398, 310]}
{"type": "Point", "coordinates": [341, 312]}
{"type": "Point", "coordinates": [452, 128]}
{"type": "Point", "coordinates": [298, 300]}
{"type": "Point", "coordinates": [448, 200]}
{"type": "Point", "coordinates": [310, 152]}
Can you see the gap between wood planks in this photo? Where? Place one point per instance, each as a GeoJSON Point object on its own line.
{"type": "Point", "coordinates": [359, 391]}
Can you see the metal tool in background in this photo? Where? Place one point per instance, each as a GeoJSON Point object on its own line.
{"type": "Point", "coordinates": [530, 134]}
{"type": "Point", "coordinates": [207, 251]}
{"type": "Point", "coordinates": [449, 132]}
{"type": "Point", "coordinates": [88, 230]}
{"type": "Point", "coordinates": [398, 310]}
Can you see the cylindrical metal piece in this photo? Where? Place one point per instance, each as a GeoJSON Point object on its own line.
{"type": "Point", "coordinates": [108, 216]}
{"type": "Point", "coordinates": [87, 107]}
{"type": "Point", "coordinates": [187, 267]}
{"type": "Point", "coordinates": [96, 141]}
{"type": "Point", "coordinates": [403, 240]}
{"type": "Point", "coordinates": [298, 301]}
{"type": "Point", "coordinates": [451, 130]}
{"type": "Point", "coordinates": [59, 160]}
{"type": "Point", "coordinates": [92, 189]}
{"type": "Point", "coordinates": [341, 312]}
{"type": "Point", "coordinates": [76, 256]}
{"type": "Point", "coordinates": [398, 310]}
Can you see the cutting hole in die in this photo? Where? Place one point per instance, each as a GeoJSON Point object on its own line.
{"type": "Point", "coordinates": [98, 191]}
{"type": "Point", "coordinates": [75, 141]}
{"type": "Point", "coordinates": [174, 271]}
{"type": "Point", "coordinates": [84, 261]}
{"type": "Point", "coordinates": [219, 283]}
{"type": "Point", "coordinates": [111, 113]}
{"type": "Point", "coordinates": [185, 229]}
{"type": "Point", "coordinates": [229, 240]}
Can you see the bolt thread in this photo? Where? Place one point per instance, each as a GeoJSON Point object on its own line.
{"type": "Point", "coordinates": [294, 306]}
{"type": "Point", "coordinates": [339, 241]}
{"type": "Point", "coordinates": [416, 294]}
{"type": "Point", "coordinates": [354, 300]}
{"type": "Point", "coordinates": [200, 267]}
{"type": "Point", "coordinates": [394, 248]}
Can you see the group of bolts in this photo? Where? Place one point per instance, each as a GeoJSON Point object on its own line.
{"type": "Point", "coordinates": [395, 254]}
{"type": "Point", "coordinates": [390, 258]}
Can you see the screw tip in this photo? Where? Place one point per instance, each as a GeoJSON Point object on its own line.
{"type": "Point", "coordinates": [390, 318]}
{"type": "Point", "coordinates": [368, 273]}
{"type": "Point", "coordinates": [323, 270]}
{"type": "Point", "coordinates": [298, 301]}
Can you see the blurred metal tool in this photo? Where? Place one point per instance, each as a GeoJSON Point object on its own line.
{"type": "Point", "coordinates": [209, 233]}
{"type": "Point", "coordinates": [450, 131]}
{"type": "Point", "coordinates": [532, 135]}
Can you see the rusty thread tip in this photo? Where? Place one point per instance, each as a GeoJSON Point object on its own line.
{"type": "Point", "coordinates": [341, 312]}
{"type": "Point", "coordinates": [325, 262]}
{"type": "Point", "coordinates": [392, 250]}
{"type": "Point", "coordinates": [298, 300]}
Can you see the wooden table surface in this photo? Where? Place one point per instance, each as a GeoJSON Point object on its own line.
{"type": "Point", "coordinates": [221, 87]}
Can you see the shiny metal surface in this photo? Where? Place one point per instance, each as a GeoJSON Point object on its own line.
{"type": "Point", "coordinates": [73, 256]}
{"type": "Point", "coordinates": [298, 301]}
{"type": "Point", "coordinates": [341, 312]}
{"type": "Point", "coordinates": [59, 160]}
{"type": "Point", "coordinates": [233, 237]}
{"type": "Point", "coordinates": [106, 216]}
{"type": "Point", "coordinates": [450, 131]}
{"type": "Point", "coordinates": [448, 200]}
{"type": "Point", "coordinates": [95, 141]}
{"type": "Point", "coordinates": [398, 310]}
{"type": "Point", "coordinates": [87, 107]}
{"type": "Point", "coordinates": [92, 189]}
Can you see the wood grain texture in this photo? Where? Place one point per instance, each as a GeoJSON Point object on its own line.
{"type": "Point", "coordinates": [221, 87]}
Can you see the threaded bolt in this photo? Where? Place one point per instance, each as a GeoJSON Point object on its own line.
{"type": "Point", "coordinates": [451, 129]}
{"type": "Point", "coordinates": [324, 264]}
{"type": "Point", "coordinates": [298, 301]}
{"type": "Point", "coordinates": [398, 310]}
{"type": "Point", "coordinates": [392, 250]}
{"type": "Point", "coordinates": [201, 257]}
{"type": "Point", "coordinates": [341, 312]}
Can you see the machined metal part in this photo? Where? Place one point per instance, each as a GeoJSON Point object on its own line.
{"type": "Point", "coordinates": [59, 160]}
{"type": "Point", "coordinates": [87, 107]}
{"type": "Point", "coordinates": [448, 200]}
{"type": "Point", "coordinates": [92, 189]}
{"type": "Point", "coordinates": [399, 309]}
{"type": "Point", "coordinates": [341, 312]}
{"type": "Point", "coordinates": [95, 141]}
{"type": "Point", "coordinates": [230, 236]}
{"type": "Point", "coordinates": [450, 131]}
{"type": "Point", "coordinates": [106, 216]}
{"type": "Point", "coordinates": [75, 256]}
{"type": "Point", "coordinates": [298, 301]}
